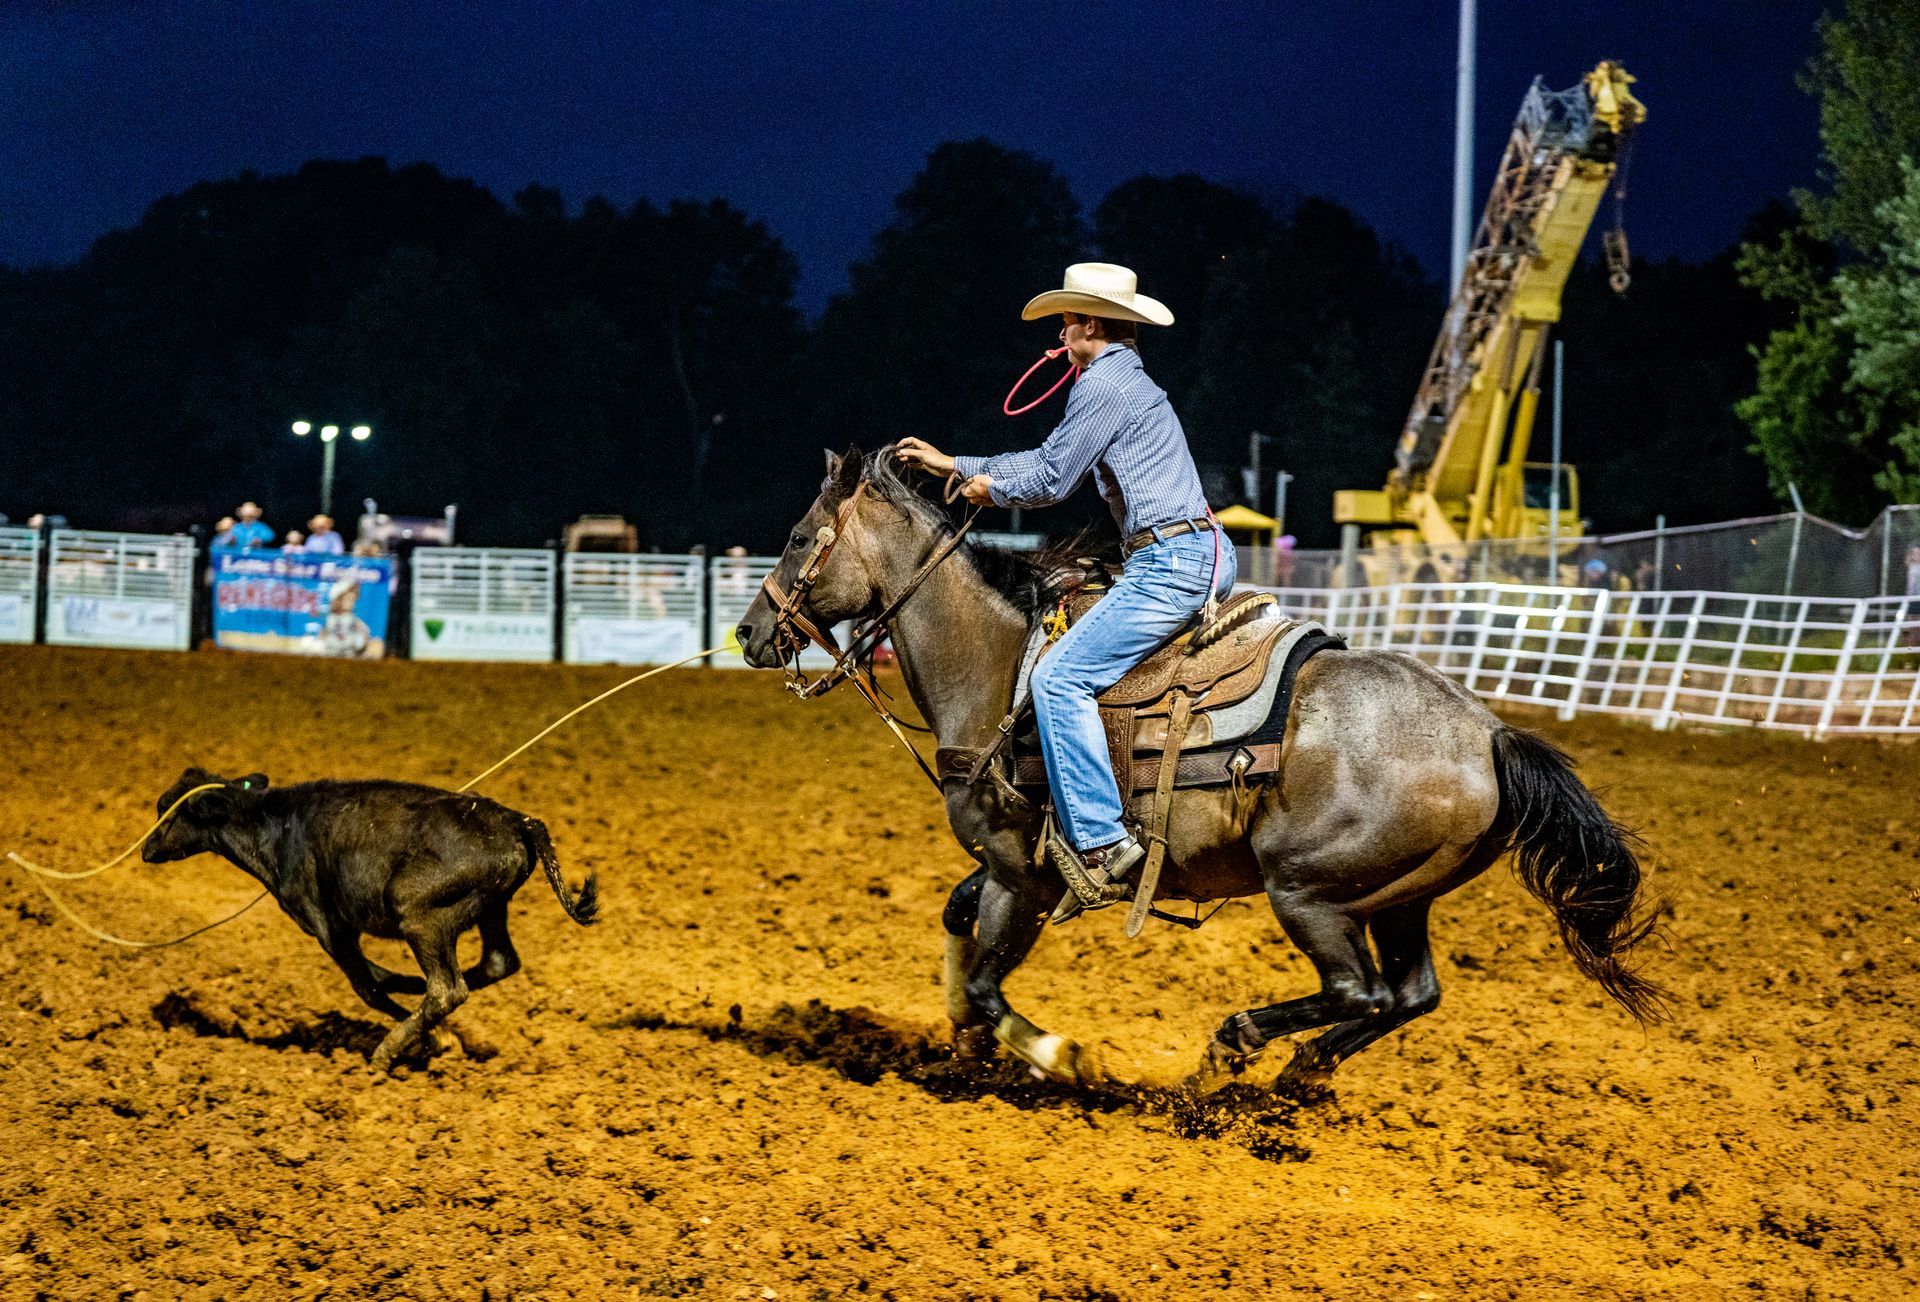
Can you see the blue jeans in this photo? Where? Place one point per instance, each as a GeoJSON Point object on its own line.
{"type": "Point", "coordinates": [1161, 588]}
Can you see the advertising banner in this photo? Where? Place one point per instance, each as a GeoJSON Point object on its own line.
{"type": "Point", "coordinates": [306, 603]}
{"type": "Point", "coordinates": [16, 618]}
{"type": "Point", "coordinates": [454, 636]}
{"type": "Point", "coordinates": [116, 621]}
{"type": "Point", "coordinates": [598, 639]}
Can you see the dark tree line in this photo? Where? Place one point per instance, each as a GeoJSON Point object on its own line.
{"type": "Point", "coordinates": [532, 364]}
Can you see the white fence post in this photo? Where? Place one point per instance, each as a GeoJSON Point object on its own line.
{"type": "Point", "coordinates": [1840, 665]}
{"type": "Point", "coordinates": [1664, 717]}
{"type": "Point", "coordinates": [1595, 627]}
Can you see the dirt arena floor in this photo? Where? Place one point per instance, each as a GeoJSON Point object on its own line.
{"type": "Point", "coordinates": [736, 1085]}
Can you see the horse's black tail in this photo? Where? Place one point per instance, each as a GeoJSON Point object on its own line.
{"type": "Point", "coordinates": [1578, 862]}
{"type": "Point", "coordinates": [585, 907]}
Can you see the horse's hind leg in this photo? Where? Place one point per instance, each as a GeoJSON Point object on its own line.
{"type": "Point", "coordinates": [1406, 961]}
{"type": "Point", "coordinates": [1350, 987]}
{"type": "Point", "coordinates": [1010, 921]}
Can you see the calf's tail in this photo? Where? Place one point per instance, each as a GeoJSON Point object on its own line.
{"type": "Point", "coordinates": [583, 908]}
{"type": "Point", "coordinates": [1578, 862]}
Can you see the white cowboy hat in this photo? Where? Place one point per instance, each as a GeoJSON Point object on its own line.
{"type": "Point", "coordinates": [1099, 289]}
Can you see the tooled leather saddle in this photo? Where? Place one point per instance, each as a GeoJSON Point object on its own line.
{"type": "Point", "coordinates": [1223, 688]}
{"type": "Point", "coordinates": [1236, 675]}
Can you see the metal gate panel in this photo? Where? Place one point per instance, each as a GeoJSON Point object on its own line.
{"type": "Point", "coordinates": [120, 589]}
{"type": "Point", "coordinates": [633, 609]}
{"type": "Point", "coordinates": [19, 583]}
{"type": "Point", "coordinates": [482, 603]}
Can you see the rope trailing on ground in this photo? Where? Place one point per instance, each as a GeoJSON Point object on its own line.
{"type": "Point", "coordinates": [39, 874]}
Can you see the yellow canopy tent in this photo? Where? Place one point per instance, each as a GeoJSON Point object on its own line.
{"type": "Point", "coordinates": [1260, 558]}
{"type": "Point", "coordinates": [1242, 519]}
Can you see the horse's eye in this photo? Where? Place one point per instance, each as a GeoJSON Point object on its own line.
{"type": "Point", "coordinates": [798, 540]}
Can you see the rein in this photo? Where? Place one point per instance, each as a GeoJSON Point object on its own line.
{"type": "Point", "coordinates": [792, 629]}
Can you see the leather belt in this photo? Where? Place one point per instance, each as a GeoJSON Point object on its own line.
{"type": "Point", "coordinates": [1162, 532]}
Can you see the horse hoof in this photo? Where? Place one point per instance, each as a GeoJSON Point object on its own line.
{"type": "Point", "coordinates": [1305, 1084]}
{"type": "Point", "coordinates": [1220, 1065]}
{"type": "Point", "coordinates": [974, 1044]}
{"type": "Point", "coordinates": [1052, 1057]}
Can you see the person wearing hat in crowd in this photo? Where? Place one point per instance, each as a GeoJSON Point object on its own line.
{"type": "Point", "coordinates": [252, 531]}
{"type": "Point", "coordinates": [1120, 428]}
{"type": "Point", "coordinates": [322, 537]}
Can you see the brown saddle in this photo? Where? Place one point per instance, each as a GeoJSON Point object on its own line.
{"type": "Point", "coordinates": [1212, 667]}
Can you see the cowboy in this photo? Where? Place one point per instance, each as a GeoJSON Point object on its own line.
{"type": "Point", "coordinates": [1120, 428]}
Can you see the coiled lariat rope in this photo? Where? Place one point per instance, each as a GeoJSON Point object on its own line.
{"type": "Point", "coordinates": [40, 874]}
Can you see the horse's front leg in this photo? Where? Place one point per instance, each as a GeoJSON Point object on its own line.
{"type": "Point", "coordinates": [1013, 909]}
{"type": "Point", "coordinates": [972, 1036]}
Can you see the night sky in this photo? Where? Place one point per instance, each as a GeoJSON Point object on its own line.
{"type": "Point", "coordinates": [813, 115]}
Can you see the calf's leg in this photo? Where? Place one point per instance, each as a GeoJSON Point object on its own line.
{"type": "Point", "coordinates": [369, 982]}
{"type": "Point", "coordinates": [432, 936]}
{"type": "Point", "coordinates": [498, 961]}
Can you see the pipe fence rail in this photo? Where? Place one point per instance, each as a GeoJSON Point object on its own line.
{"type": "Point", "coordinates": [1814, 665]}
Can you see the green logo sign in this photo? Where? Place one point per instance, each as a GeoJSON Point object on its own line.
{"type": "Point", "coordinates": [435, 627]}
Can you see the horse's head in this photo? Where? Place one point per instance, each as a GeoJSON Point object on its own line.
{"type": "Point", "coordinates": [828, 571]}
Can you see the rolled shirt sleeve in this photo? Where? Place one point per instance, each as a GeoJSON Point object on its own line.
{"type": "Point", "coordinates": [1096, 413]}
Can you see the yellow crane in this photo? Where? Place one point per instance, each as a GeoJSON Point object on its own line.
{"type": "Point", "coordinates": [1460, 471]}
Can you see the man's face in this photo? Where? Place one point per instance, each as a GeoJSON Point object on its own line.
{"type": "Point", "coordinates": [1083, 345]}
{"type": "Point", "coordinates": [249, 512]}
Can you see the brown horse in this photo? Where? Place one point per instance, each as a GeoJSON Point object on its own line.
{"type": "Point", "coordinates": [1395, 786]}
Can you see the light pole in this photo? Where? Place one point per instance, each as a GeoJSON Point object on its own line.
{"type": "Point", "coordinates": [329, 435]}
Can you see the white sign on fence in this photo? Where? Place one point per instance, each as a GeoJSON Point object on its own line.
{"type": "Point", "coordinates": [633, 609]}
{"type": "Point", "coordinates": [19, 583]}
{"type": "Point", "coordinates": [119, 589]}
{"type": "Point", "coordinates": [482, 603]}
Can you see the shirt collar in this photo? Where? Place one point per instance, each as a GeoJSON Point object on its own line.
{"type": "Point", "coordinates": [1107, 356]}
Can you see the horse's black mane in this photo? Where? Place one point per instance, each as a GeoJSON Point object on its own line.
{"type": "Point", "coordinates": [1031, 581]}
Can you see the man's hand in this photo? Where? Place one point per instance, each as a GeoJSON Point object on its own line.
{"type": "Point", "coordinates": [919, 452]}
{"type": "Point", "coordinates": [978, 490]}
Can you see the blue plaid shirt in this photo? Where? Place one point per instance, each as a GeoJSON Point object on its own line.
{"type": "Point", "coordinates": [1120, 426]}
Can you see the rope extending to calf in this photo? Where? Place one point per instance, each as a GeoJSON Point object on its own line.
{"type": "Point", "coordinates": [40, 874]}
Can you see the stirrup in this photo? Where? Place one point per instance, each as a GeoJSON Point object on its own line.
{"type": "Point", "coordinates": [1097, 886]}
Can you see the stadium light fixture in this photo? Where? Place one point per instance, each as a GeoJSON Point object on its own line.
{"type": "Point", "coordinates": [362, 433]}
{"type": "Point", "coordinates": [329, 437]}
{"type": "Point", "coordinates": [303, 427]}
{"type": "Point", "coordinates": [328, 433]}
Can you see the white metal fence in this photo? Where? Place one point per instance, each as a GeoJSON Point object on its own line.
{"type": "Point", "coordinates": [120, 589]}
{"type": "Point", "coordinates": [622, 608]}
{"type": "Point", "coordinates": [482, 603]}
{"type": "Point", "coordinates": [1805, 664]}
{"type": "Point", "coordinates": [19, 583]}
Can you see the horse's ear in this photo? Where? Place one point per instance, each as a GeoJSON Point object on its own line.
{"type": "Point", "coordinates": [833, 465]}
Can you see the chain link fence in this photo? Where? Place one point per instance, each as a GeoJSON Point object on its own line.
{"type": "Point", "coordinates": [1789, 555]}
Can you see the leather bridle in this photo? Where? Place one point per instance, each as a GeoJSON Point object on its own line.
{"type": "Point", "coordinates": [793, 628]}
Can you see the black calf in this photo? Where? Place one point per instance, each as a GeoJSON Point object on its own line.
{"type": "Point", "coordinates": [391, 859]}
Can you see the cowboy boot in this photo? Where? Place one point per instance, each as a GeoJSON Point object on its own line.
{"type": "Point", "coordinates": [1096, 878]}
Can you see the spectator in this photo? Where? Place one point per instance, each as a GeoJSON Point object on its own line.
{"type": "Point", "coordinates": [321, 536]}
{"type": "Point", "coordinates": [294, 541]}
{"type": "Point", "coordinates": [223, 531]}
{"type": "Point", "coordinates": [252, 531]}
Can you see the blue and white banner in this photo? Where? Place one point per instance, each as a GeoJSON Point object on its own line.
{"type": "Point", "coordinates": [308, 603]}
